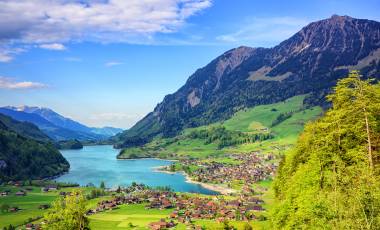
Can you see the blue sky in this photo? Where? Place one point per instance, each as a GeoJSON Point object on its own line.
{"type": "Point", "coordinates": [110, 62]}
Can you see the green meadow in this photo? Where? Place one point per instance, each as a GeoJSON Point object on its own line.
{"type": "Point", "coordinates": [258, 119]}
{"type": "Point", "coordinates": [127, 217]}
{"type": "Point", "coordinates": [29, 204]}
{"type": "Point", "coordinates": [138, 217]}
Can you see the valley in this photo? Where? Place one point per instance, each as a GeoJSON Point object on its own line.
{"type": "Point", "coordinates": [282, 137]}
{"type": "Point", "coordinates": [194, 156]}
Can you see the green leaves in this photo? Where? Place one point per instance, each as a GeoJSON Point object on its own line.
{"type": "Point", "coordinates": [67, 213]}
{"type": "Point", "coordinates": [331, 178]}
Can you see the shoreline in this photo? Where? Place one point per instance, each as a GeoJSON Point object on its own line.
{"type": "Point", "coordinates": [145, 158]}
{"type": "Point", "coordinates": [213, 187]}
{"type": "Point", "coordinates": [217, 188]}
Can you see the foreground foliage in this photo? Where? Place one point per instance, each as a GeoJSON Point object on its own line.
{"type": "Point", "coordinates": [331, 179]}
{"type": "Point", "coordinates": [68, 213]}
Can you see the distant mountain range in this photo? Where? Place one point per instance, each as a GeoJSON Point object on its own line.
{"type": "Point", "coordinates": [310, 62]}
{"type": "Point", "coordinates": [57, 126]}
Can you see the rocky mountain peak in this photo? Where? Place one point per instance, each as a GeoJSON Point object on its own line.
{"type": "Point", "coordinates": [310, 62]}
{"type": "Point", "coordinates": [231, 59]}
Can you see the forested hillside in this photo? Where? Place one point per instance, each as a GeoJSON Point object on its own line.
{"type": "Point", "coordinates": [331, 179]}
{"type": "Point", "coordinates": [22, 157]}
{"type": "Point", "coordinates": [25, 129]}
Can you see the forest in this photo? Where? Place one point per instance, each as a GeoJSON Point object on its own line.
{"type": "Point", "coordinates": [331, 178]}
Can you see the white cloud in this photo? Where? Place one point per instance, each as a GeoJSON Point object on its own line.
{"type": "Point", "coordinates": [53, 46]}
{"type": "Point", "coordinates": [73, 59]}
{"type": "Point", "coordinates": [7, 52]}
{"type": "Point", "coordinates": [11, 83]}
{"type": "Point", "coordinates": [259, 31]}
{"type": "Point", "coordinates": [113, 63]}
{"type": "Point", "coordinates": [4, 57]}
{"type": "Point", "coordinates": [52, 22]}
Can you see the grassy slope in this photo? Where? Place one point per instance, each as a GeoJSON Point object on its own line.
{"type": "Point", "coordinates": [251, 120]}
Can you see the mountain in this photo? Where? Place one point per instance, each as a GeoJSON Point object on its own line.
{"type": "Point", "coordinates": [310, 62]}
{"type": "Point", "coordinates": [54, 118]}
{"type": "Point", "coordinates": [24, 129]}
{"type": "Point", "coordinates": [54, 132]}
{"type": "Point", "coordinates": [22, 157]}
{"type": "Point", "coordinates": [106, 131]}
{"type": "Point", "coordinates": [57, 126]}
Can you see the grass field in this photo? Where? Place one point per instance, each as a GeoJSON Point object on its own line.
{"type": "Point", "coordinates": [126, 215]}
{"type": "Point", "coordinates": [137, 216]}
{"type": "Point", "coordinates": [29, 204]}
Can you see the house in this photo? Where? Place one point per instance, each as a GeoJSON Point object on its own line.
{"type": "Point", "coordinates": [5, 193]}
{"type": "Point", "coordinates": [32, 226]}
{"type": "Point", "coordinates": [21, 193]}
{"type": "Point", "coordinates": [49, 188]}
{"type": "Point", "coordinates": [13, 209]}
{"type": "Point", "coordinates": [158, 225]}
{"type": "Point", "coordinates": [174, 215]}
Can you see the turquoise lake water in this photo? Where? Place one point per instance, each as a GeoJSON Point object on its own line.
{"type": "Point", "coordinates": [94, 164]}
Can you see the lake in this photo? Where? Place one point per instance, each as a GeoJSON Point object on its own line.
{"type": "Point", "coordinates": [94, 164]}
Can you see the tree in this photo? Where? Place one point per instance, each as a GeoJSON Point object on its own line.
{"type": "Point", "coordinates": [102, 185]}
{"type": "Point", "coordinates": [68, 213]}
{"type": "Point", "coordinates": [10, 227]}
{"type": "Point", "coordinates": [4, 207]}
{"type": "Point", "coordinates": [331, 178]}
{"type": "Point", "coordinates": [247, 226]}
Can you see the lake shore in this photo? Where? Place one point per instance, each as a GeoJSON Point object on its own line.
{"type": "Point", "coordinates": [146, 158]}
{"type": "Point", "coordinates": [213, 187]}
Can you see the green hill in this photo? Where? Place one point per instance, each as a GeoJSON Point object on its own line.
{"type": "Point", "coordinates": [247, 130]}
{"type": "Point", "coordinates": [25, 129]}
{"type": "Point", "coordinates": [22, 157]}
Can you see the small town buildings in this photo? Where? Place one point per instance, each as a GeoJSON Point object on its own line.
{"type": "Point", "coordinates": [21, 193]}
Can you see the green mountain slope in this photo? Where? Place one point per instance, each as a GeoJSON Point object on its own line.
{"type": "Point", "coordinates": [24, 158]}
{"type": "Point", "coordinates": [25, 129]}
{"type": "Point", "coordinates": [245, 124]}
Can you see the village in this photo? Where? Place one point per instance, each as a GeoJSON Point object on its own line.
{"type": "Point", "coordinates": [187, 208]}
{"type": "Point", "coordinates": [252, 167]}
{"type": "Point", "coordinates": [246, 204]}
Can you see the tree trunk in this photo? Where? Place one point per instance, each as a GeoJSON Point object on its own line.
{"type": "Point", "coordinates": [370, 158]}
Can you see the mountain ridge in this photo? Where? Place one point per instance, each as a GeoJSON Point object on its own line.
{"type": "Point", "coordinates": [309, 62]}
{"type": "Point", "coordinates": [57, 126]}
